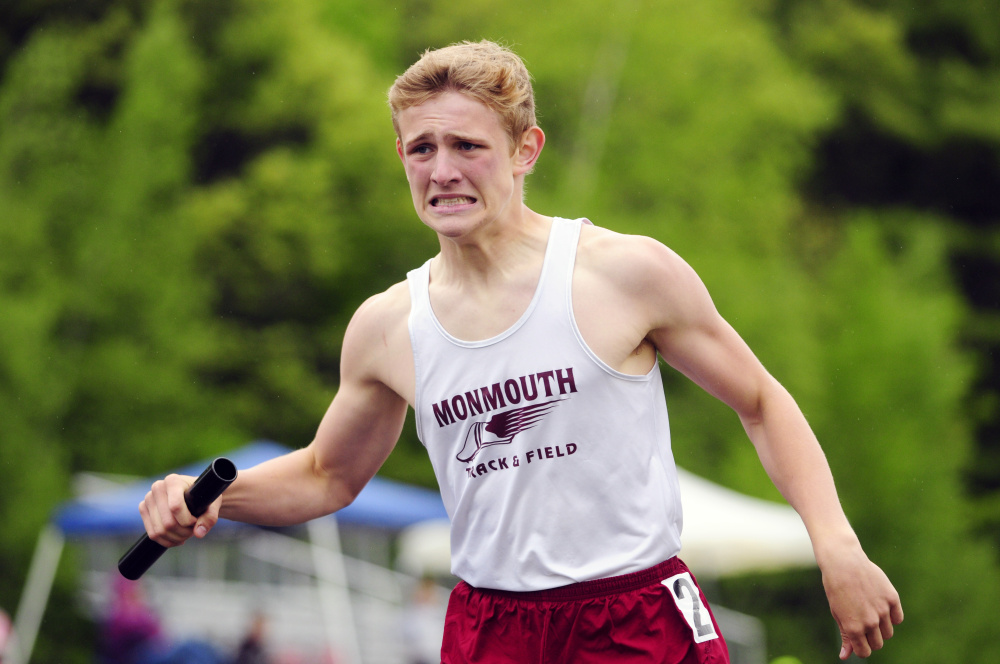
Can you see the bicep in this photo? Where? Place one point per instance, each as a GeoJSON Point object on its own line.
{"type": "Point", "coordinates": [715, 357]}
{"type": "Point", "coordinates": [693, 337]}
{"type": "Point", "coordinates": [365, 418]}
{"type": "Point", "coordinates": [357, 433]}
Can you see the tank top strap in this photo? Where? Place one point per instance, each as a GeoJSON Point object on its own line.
{"type": "Point", "coordinates": [418, 280]}
{"type": "Point", "coordinates": [557, 273]}
{"type": "Point", "coordinates": [421, 318]}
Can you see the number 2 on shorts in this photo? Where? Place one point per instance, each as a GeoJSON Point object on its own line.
{"type": "Point", "coordinates": [688, 601]}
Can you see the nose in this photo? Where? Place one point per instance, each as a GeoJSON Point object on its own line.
{"type": "Point", "coordinates": [445, 169]}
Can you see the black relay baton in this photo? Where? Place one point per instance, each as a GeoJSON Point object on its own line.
{"type": "Point", "coordinates": [209, 486]}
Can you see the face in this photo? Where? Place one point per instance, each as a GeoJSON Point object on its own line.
{"type": "Point", "coordinates": [459, 163]}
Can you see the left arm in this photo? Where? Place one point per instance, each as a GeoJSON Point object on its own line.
{"type": "Point", "coordinates": [690, 335]}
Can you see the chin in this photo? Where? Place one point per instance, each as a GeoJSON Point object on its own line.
{"type": "Point", "coordinates": [452, 226]}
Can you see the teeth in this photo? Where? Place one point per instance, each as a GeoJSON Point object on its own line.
{"type": "Point", "coordinates": [447, 202]}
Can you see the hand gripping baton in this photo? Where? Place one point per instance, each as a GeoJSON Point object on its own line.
{"type": "Point", "coordinates": [209, 486]}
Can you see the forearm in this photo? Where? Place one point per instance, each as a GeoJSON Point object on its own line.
{"type": "Point", "coordinates": [284, 491]}
{"type": "Point", "coordinates": [795, 462]}
{"type": "Point", "coordinates": [354, 438]}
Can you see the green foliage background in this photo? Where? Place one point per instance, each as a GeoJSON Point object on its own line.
{"type": "Point", "coordinates": [194, 197]}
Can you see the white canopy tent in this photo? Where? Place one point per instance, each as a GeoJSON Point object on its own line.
{"type": "Point", "coordinates": [728, 533]}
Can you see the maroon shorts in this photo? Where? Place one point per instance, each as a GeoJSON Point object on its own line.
{"type": "Point", "coordinates": [657, 615]}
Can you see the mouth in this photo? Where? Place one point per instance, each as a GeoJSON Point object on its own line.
{"type": "Point", "coordinates": [451, 201]}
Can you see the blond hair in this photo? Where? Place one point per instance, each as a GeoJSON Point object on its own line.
{"type": "Point", "coordinates": [487, 72]}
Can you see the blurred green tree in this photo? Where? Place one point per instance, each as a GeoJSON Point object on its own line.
{"type": "Point", "coordinates": [194, 199]}
{"type": "Point", "coordinates": [102, 322]}
{"type": "Point", "coordinates": [918, 128]}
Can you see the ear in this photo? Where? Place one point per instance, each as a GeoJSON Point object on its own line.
{"type": "Point", "coordinates": [528, 150]}
{"type": "Point", "coordinates": [399, 150]}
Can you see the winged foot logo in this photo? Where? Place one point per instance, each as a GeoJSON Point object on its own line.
{"type": "Point", "coordinates": [501, 428]}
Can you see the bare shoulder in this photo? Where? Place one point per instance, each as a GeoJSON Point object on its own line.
{"type": "Point", "coordinates": [383, 310]}
{"type": "Point", "coordinates": [628, 288]}
{"type": "Point", "coordinates": [650, 292]}
{"type": "Point", "coordinates": [377, 342]}
{"type": "Point", "coordinates": [637, 267]}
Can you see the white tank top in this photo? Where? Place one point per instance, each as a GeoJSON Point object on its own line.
{"type": "Point", "coordinates": [554, 467]}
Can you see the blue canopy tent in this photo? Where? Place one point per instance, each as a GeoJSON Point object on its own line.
{"type": "Point", "coordinates": [382, 504]}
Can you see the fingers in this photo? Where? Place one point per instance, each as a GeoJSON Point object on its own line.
{"type": "Point", "coordinates": [207, 520]}
{"type": "Point", "coordinates": [164, 513]}
{"type": "Point", "coordinates": [868, 637]}
{"type": "Point", "coordinates": [871, 641]}
{"type": "Point", "coordinates": [885, 626]}
{"type": "Point", "coordinates": [861, 644]}
{"type": "Point", "coordinates": [864, 604]}
{"type": "Point", "coordinates": [896, 612]}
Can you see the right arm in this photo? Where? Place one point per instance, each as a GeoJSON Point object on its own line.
{"type": "Point", "coordinates": [355, 436]}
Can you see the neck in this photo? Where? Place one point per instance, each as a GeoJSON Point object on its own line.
{"type": "Point", "coordinates": [502, 249]}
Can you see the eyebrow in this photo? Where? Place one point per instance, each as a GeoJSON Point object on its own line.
{"type": "Point", "coordinates": [450, 136]}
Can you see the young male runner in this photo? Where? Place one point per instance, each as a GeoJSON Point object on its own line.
{"type": "Point", "coordinates": [528, 350]}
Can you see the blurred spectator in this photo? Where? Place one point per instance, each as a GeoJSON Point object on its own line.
{"type": "Point", "coordinates": [130, 628]}
{"type": "Point", "coordinates": [253, 648]}
{"type": "Point", "coordinates": [423, 624]}
{"type": "Point", "coordinates": [131, 633]}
